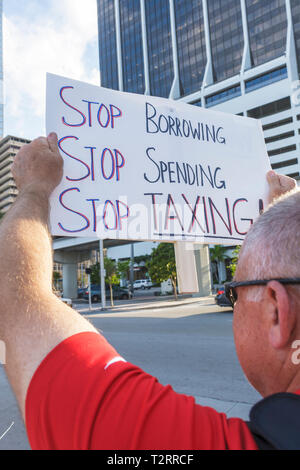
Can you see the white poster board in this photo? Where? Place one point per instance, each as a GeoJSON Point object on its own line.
{"type": "Point", "coordinates": [146, 168]}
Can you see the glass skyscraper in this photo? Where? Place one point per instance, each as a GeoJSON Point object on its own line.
{"type": "Point", "coordinates": [238, 56]}
{"type": "Point", "coordinates": [1, 69]}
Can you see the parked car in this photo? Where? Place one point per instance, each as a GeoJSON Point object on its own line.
{"type": "Point", "coordinates": [67, 301]}
{"type": "Point", "coordinates": [63, 299]}
{"type": "Point", "coordinates": [221, 299]}
{"type": "Point", "coordinates": [142, 284]}
{"type": "Point", "coordinates": [80, 292]}
{"type": "Point", "coordinates": [119, 293]}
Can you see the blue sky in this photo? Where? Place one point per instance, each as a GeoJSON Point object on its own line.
{"type": "Point", "coordinates": [40, 36]}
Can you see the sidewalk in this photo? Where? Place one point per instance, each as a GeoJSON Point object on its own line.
{"type": "Point", "coordinates": [150, 304]}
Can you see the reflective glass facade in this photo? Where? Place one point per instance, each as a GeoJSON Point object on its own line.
{"type": "Point", "coordinates": [266, 79]}
{"type": "Point", "coordinates": [223, 96]}
{"type": "Point", "coordinates": [295, 5]}
{"type": "Point", "coordinates": [267, 31]}
{"type": "Point", "coordinates": [227, 39]}
{"type": "Point", "coordinates": [1, 70]}
{"type": "Point", "coordinates": [107, 44]}
{"type": "Point", "coordinates": [191, 44]}
{"type": "Point", "coordinates": [159, 47]}
{"type": "Point", "coordinates": [132, 46]}
{"type": "Point", "coordinates": [267, 23]}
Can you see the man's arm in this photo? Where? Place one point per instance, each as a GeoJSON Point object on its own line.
{"type": "Point", "coordinates": [32, 319]}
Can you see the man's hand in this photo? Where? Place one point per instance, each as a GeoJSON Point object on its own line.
{"type": "Point", "coordinates": [38, 166]}
{"type": "Point", "coordinates": [279, 185]}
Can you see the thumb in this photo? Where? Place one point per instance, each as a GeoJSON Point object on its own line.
{"type": "Point", "coordinates": [274, 182]}
{"type": "Point", "coordinates": [52, 141]}
{"type": "Point", "coordinates": [286, 183]}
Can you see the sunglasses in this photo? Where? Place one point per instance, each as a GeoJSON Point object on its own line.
{"type": "Point", "coordinates": [231, 292]}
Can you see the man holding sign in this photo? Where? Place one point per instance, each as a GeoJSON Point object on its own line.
{"type": "Point", "coordinates": [76, 392]}
{"type": "Point", "coordinates": [146, 168]}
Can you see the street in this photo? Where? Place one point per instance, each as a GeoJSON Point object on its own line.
{"type": "Point", "coordinates": [189, 346]}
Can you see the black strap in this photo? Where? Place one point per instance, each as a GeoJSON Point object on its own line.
{"type": "Point", "coordinates": [275, 422]}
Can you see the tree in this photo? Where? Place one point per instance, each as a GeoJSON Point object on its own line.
{"type": "Point", "coordinates": [56, 278]}
{"type": "Point", "coordinates": [112, 276]}
{"type": "Point", "coordinates": [234, 260]}
{"type": "Point", "coordinates": [123, 268]}
{"type": "Point", "coordinates": [95, 274]}
{"type": "Point", "coordinates": [162, 265]}
{"type": "Point", "coordinates": [218, 255]}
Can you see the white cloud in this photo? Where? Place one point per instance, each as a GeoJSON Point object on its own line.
{"type": "Point", "coordinates": [56, 40]}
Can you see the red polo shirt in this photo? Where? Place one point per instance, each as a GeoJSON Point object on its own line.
{"type": "Point", "coordinates": [84, 396]}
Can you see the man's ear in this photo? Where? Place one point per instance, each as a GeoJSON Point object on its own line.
{"type": "Point", "coordinates": [282, 317]}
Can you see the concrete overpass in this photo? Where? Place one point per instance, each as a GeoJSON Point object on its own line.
{"type": "Point", "coordinates": [193, 264]}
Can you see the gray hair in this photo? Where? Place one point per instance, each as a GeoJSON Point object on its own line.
{"type": "Point", "coordinates": [272, 246]}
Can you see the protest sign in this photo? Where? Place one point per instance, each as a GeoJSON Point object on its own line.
{"type": "Point", "coordinates": [146, 168]}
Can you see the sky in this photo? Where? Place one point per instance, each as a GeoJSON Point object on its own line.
{"type": "Point", "coordinates": [40, 36]}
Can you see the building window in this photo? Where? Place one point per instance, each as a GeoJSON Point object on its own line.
{"type": "Point", "coordinates": [266, 79]}
{"type": "Point", "coordinates": [191, 44]}
{"type": "Point", "coordinates": [275, 138]}
{"type": "Point", "coordinates": [132, 46]}
{"type": "Point", "coordinates": [223, 96]}
{"type": "Point", "coordinates": [197, 103]}
{"type": "Point", "coordinates": [273, 125]}
{"type": "Point", "coordinates": [290, 148]}
{"type": "Point", "coordinates": [267, 23]}
{"type": "Point", "coordinates": [295, 6]}
{"type": "Point", "coordinates": [276, 166]}
{"type": "Point", "coordinates": [107, 44]}
{"type": "Point", "coordinates": [226, 35]}
{"type": "Point", "coordinates": [159, 47]}
{"type": "Point", "coordinates": [271, 108]}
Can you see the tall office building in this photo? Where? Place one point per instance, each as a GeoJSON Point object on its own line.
{"type": "Point", "coordinates": [236, 56]}
{"type": "Point", "coordinates": [1, 70]}
{"type": "Point", "coordinates": [9, 147]}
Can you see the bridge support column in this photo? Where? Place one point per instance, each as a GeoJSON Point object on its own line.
{"type": "Point", "coordinates": [193, 269]}
{"type": "Point", "coordinates": [70, 261]}
{"type": "Point", "coordinates": [70, 280]}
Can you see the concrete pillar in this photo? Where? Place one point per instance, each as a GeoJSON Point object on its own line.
{"type": "Point", "coordinates": [119, 44]}
{"type": "Point", "coordinates": [70, 261]}
{"type": "Point", "coordinates": [193, 269]}
{"type": "Point", "coordinates": [175, 89]}
{"type": "Point", "coordinates": [203, 269]}
{"type": "Point", "coordinates": [208, 78]}
{"type": "Point", "coordinates": [145, 47]}
{"type": "Point", "coordinates": [70, 280]}
{"type": "Point", "coordinates": [186, 268]}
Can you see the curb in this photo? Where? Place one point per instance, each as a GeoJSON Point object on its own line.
{"type": "Point", "coordinates": [165, 304]}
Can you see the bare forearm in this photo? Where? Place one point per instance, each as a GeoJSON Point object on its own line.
{"type": "Point", "coordinates": [25, 245]}
{"type": "Point", "coordinates": [32, 319]}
